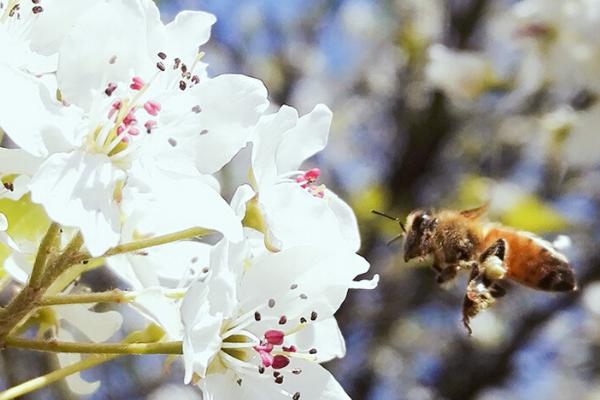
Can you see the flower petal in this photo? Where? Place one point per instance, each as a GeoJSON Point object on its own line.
{"type": "Point", "coordinates": [306, 139]}
{"type": "Point", "coordinates": [120, 46]}
{"type": "Point", "coordinates": [187, 31]}
{"type": "Point", "coordinates": [96, 326]}
{"type": "Point", "coordinates": [231, 106]}
{"type": "Point", "coordinates": [347, 222]}
{"type": "Point", "coordinates": [202, 339]}
{"type": "Point", "coordinates": [77, 189]}
{"type": "Point", "coordinates": [300, 280]}
{"type": "Point", "coordinates": [22, 97]}
{"type": "Point", "coordinates": [177, 204]}
{"type": "Point", "coordinates": [265, 141]}
{"type": "Point", "coordinates": [295, 217]}
{"type": "Point", "coordinates": [160, 309]}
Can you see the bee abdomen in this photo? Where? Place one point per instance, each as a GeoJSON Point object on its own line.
{"type": "Point", "coordinates": [533, 261]}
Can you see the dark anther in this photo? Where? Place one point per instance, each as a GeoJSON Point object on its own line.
{"type": "Point", "coordinates": [279, 379]}
{"type": "Point", "coordinates": [313, 351]}
{"type": "Point", "coordinates": [37, 9]}
{"type": "Point", "coordinates": [313, 315]}
{"type": "Point", "coordinates": [271, 303]}
{"type": "Point", "coordinates": [283, 320]}
{"type": "Point", "coordinates": [160, 65]}
{"type": "Point", "coordinates": [182, 85]}
{"type": "Point", "coordinates": [162, 55]}
{"type": "Point", "coordinates": [296, 396]}
{"type": "Point", "coordinates": [257, 316]}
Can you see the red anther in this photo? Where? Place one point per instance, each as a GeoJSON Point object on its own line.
{"type": "Point", "coordinates": [152, 107]}
{"type": "Point", "coordinates": [280, 361]}
{"type": "Point", "coordinates": [290, 349]}
{"type": "Point", "coordinates": [130, 118]}
{"type": "Point", "coordinates": [136, 83]}
{"type": "Point", "coordinates": [312, 175]}
{"type": "Point", "coordinates": [274, 337]}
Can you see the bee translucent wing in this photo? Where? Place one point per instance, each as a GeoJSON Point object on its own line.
{"type": "Point", "coordinates": [475, 213]}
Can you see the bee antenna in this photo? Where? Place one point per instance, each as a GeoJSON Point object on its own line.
{"type": "Point", "coordinates": [394, 239]}
{"type": "Point", "coordinates": [382, 214]}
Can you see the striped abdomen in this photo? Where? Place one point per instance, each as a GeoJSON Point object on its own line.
{"type": "Point", "coordinates": [532, 261]}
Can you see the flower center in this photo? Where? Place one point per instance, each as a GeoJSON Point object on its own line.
{"type": "Point", "coordinates": [308, 181]}
{"type": "Point", "coordinates": [244, 353]}
{"type": "Point", "coordinates": [129, 117]}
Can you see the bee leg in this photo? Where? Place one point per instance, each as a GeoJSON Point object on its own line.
{"type": "Point", "coordinates": [447, 274]}
{"type": "Point", "coordinates": [479, 295]}
{"type": "Point", "coordinates": [492, 260]}
{"type": "Point", "coordinates": [497, 291]}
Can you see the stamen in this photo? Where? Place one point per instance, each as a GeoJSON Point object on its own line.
{"type": "Point", "coordinates": [136, 83]}
{"type": "Point", "coordinates": [152, 107]}
{"type": "Point", "coordinates": [280, 361]}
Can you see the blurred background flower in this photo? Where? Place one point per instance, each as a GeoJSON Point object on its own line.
{"type": "Point", "coordinates": [435, 104]}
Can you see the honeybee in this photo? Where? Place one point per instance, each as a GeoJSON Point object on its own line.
{"type": "Point", "coordinates": [460, 240]}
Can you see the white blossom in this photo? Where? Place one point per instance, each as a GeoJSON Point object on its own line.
{"type": "Point", "coordinates": [129, 136]}
{"type": "Point", "coordinates": [294, 207]}
{"type": "Point", "coordinates": [259, 325]}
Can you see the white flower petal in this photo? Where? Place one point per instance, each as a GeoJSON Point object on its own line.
{"type": "Point", "coordinates": [324, 335]}
{"type": "Point", "coordinates": [295, 217]}
{"type": "Point", "coordinates": [231, 106]}
{"type": "Point", "coordinates": [160, 309]}
{"type": "Point", "coordinates": [187, 31]}
{"type": "Point", "coordinates": [74, 381]}
{"type": "Point", "coordinates": [315, 382]}
{"type": "Point", "coordinates": [77, 190]}
{"type": "Point", "coordinates": [348, 224]}
{"type": "Point", "coordinates": [265, 141]}
{"type": "Point", "coordinates": [202, 339]}
{"type": "Point", "coordinates": [31, 117]}
{"type": "Point", "coordinates": [96, 326]}
{"type": "Point", "coordinates": [322, 274]}
{"type": "Point", "coordinates": [241, 196]}
{"type": "Point", "coordinates": [120, 46]}
{"type": "Point", "coordinates": [306, 139]}
{"type": "Point", "coordinates": [174, 205]}
{"type": "Point", "coordinates": [52, 25]}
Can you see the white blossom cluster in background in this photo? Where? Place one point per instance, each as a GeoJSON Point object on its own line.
{"type": "Point", "coordinates": [115, 129]}
{"type": "Point", "coordinates": [537, 55]}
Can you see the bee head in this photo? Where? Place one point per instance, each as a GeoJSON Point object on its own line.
{"type": "Point", "coordinates": [419, 231]}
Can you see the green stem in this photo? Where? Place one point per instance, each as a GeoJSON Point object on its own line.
{"type": "Point", "coordinates": [45, 380]}
{"type": "Point", "coordinates": [42, 255]}
{"type": "Point", "coordinates": [96, 348]}
{"type": "Point", "coordinates": [113, 296]}
{"type": "Point", "coordinates": [157, 241]}
{"type": "Point", "coordinates": [152, 333]}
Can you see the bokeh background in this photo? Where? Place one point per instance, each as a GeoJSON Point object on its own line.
{"type": "Point", "coordinates": [504, 112]}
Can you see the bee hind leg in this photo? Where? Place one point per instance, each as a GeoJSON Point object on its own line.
{"type": "Point", "coordinates": [492, 260]}
{"type": "Point", "coordinates": [481, 294]}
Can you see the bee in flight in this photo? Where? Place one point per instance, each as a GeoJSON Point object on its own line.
{"type": "Point", "coordinates": [460, 240]}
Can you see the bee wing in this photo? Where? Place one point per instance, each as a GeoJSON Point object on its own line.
{"type": "Point", "coordinates": [475, 213]}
